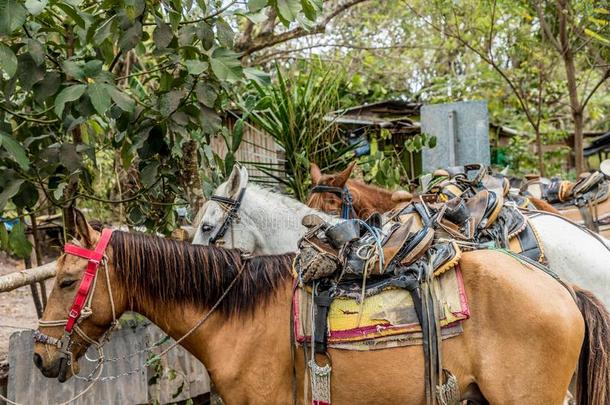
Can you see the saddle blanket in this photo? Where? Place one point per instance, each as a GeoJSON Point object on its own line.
{"type": "Point", "coordinates": [387, 319]}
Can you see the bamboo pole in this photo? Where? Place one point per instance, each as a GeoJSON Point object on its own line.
{"type": "Point", "coordinates": [25, 277]}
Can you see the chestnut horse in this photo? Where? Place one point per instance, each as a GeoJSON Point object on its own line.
{"type": "Point", "coordinates": [516, 348]}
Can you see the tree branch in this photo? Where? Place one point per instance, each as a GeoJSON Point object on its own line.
{"type": "Point", "coordinates": [546, 28]}
{"type": "Point", "coordinates": [266, 41]}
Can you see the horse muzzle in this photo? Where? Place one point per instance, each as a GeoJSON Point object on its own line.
{"type": "Point", "coordinates": [57, 367]}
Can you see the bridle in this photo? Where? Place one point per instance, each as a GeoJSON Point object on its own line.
{"type": "Point", "coordinates": [81, 306]}
{"type": "Point", "coordinates": [231, 207]}
{"type": "Point", "coordinates": [347, 202]}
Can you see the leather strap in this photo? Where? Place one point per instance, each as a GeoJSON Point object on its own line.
{"type": "Point", "coordinates": [347, 202]}
{"type": "Point", "coordinates": [322, 301]}
{"type": "Point", "coordinates": [231, 214]}
{"type": "Point", "coordinates": [94, 257]}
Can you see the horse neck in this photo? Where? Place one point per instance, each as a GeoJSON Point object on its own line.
{"type": "Point", "coordinates": [278, 220]}
{"type": "Point", "coordinates": [235, 349]}
{"type": "Point", "coordinates": [368, 199]}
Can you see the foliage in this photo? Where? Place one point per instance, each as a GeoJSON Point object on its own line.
{"type": "Point", "coordinates": [392, 167]}
{"type": "Point", "coordinates": [409, 50]}
{"type": "Point", "coordinates": [140, 81]}
{"type": "Point", "coordinates": [294, 114]}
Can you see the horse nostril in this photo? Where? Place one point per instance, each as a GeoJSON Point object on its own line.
{"type": "Point", "coordinates": [38, 360]}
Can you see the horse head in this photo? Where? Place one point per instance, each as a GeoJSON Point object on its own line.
{"type": "Point", "coordinates": [366, 199]}
{"type": "Point", "coordinates": [65, 333]}
{"type": "Point", "coordinates": [329, 202]}
{"type": "Point", "coordinates": [224, 219]}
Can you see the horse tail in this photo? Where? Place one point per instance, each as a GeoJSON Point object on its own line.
{"type": "Point", "coordinates": [543, 205]}
{"type": "Point", "coordinates": [593, 375]}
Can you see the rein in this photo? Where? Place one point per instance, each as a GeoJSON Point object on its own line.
{"type": "Point", "coordinates": [232, 213]}
{"type": "Point", "coordinates": [347, 202]}
{"type": "Point", "coordinates": [81, 309]}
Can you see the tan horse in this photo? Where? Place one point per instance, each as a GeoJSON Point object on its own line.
{"type": "Point", "coordinates": [520, 346]}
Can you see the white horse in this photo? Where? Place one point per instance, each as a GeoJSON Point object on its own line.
{"type": "Point", "coordinates": [270, 223]}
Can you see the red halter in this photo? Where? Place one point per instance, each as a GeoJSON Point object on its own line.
{"type": "Point", "coordinates": [94, 257]}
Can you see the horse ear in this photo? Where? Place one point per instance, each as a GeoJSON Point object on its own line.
{"type": "Point", "coordinates": [84, 231]}
{"type": "Point", "coordinates": [238, 179]}
{"type": "Point", "coordinates": [315, 172]}
{"type": "Point", "coordinates": [342, 177]}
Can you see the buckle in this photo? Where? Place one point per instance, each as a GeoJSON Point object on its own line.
{"type": "Point", "coordinates": [73, 314]}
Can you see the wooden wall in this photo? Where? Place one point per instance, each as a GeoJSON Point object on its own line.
{"type": "Point", "coordinates": [256, 147]}
{"type": "Point", "coordinates": [26, 384]}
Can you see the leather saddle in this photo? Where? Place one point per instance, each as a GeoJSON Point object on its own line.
{"type": "Point", "coordinates": [355, 249]}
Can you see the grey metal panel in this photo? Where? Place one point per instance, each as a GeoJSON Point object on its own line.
{"type": "Point", "coordinates": [27, 385]}
{"type": "Point", "coordinates": [461, 129]}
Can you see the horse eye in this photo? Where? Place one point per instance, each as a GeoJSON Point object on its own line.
{"type": "Point", "coordinates": [206, 228]}
{"type": "Point", "coordinates": [67, 283]}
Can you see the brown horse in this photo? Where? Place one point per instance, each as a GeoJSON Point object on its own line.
{"type": "Point", "coordinates": [515, 349]}
{"type": "Point", "coordinates": [369, 199]}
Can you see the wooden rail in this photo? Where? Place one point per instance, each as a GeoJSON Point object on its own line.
{"type": "Point", "coordinates": [25, 277]}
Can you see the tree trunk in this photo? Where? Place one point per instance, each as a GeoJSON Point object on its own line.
{"type": "Point", "coordinates": [567, 53]}
{"type": "Point", "coordinates": [540, 152]}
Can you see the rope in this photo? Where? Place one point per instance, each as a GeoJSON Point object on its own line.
{"type": "Point", "coordinates": [101, 360]}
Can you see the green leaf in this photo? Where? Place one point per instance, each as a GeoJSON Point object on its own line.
{"type": "Point", "coordinates": [73, 69]}
{"type": "Point", "coordinates": [196, 67]}
{"type": "Point", "coordinates": [48, 86]}
{"type": "Point", "coordinates": [9, 191]}
{"type": "Point", "coordinates": [226, 65]}
{"type": "Point", "coordinates": [103, 31]}
{"type": "Point", "coordinates": [238, 134]}
{"type": "Point", "coordinates": [288, 10]}
{"type": "Point", "coordinates": [8, 60]}
{"type": "Point", "coordinates": [595, 35]}
{"type": "Point", "coordinates": [12, 16]}
{"type": "Point", "coordinates": [35, 7]}
{"type": "Point", "coordinates": [58, 193]}
{"type": "Point", "coordinates": [72, 13]}
{"type": "Point", "coordinates": [205, 34]}
{"type": "Point", "coordinates": [15, 150]}
{"type": "Point", "coordinates": [99, 96]}
{"type": "Point", "coordinates": [149, 174]}
{"type": "Point", "coordinates": [27, 196]}
{"type": "Point", "coordinates": [206, 94]}
{"type": "Point", "coordinates": [18, 242]}
{"type": "Point", "coordinates": [169, 102]}
{"type": "Point", "coordinates": [131, 37]}
{"type": "Point", "coordinates": [92, 68]}
{"type": "Point", "coordinates": [36, 51]}
{"type": "Point", "coordinates": [260, 77]}
{"type": "Point", "coordinates": [121, 99]}
{"type": "Point", "coordinates": [225, 33]}
{"type": "Point", "coordinates": [309, 10]}
{"type": "Point", "coordinates": [162, 35]}
{"type": "Point", "coordinates": [28, 72]}
{"type": "Point", "coordinates": [68, 94]}
{"type": "Point", "coordinates": [256, 5]}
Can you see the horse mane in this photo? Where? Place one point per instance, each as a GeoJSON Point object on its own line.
{"type": "Point", "coordinates": [167, 273]}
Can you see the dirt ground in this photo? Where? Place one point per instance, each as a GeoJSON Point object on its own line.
{"type": "Point", "coordinates": [17, 309]}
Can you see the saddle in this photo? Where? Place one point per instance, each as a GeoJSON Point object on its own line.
{"type": "Point", "coordinates": [356, 260]}
{"type": "Point", "coordinates": [583, 196]}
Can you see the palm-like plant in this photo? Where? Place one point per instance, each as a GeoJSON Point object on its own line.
{"type": "Point", "coordinates": [295, 113]}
